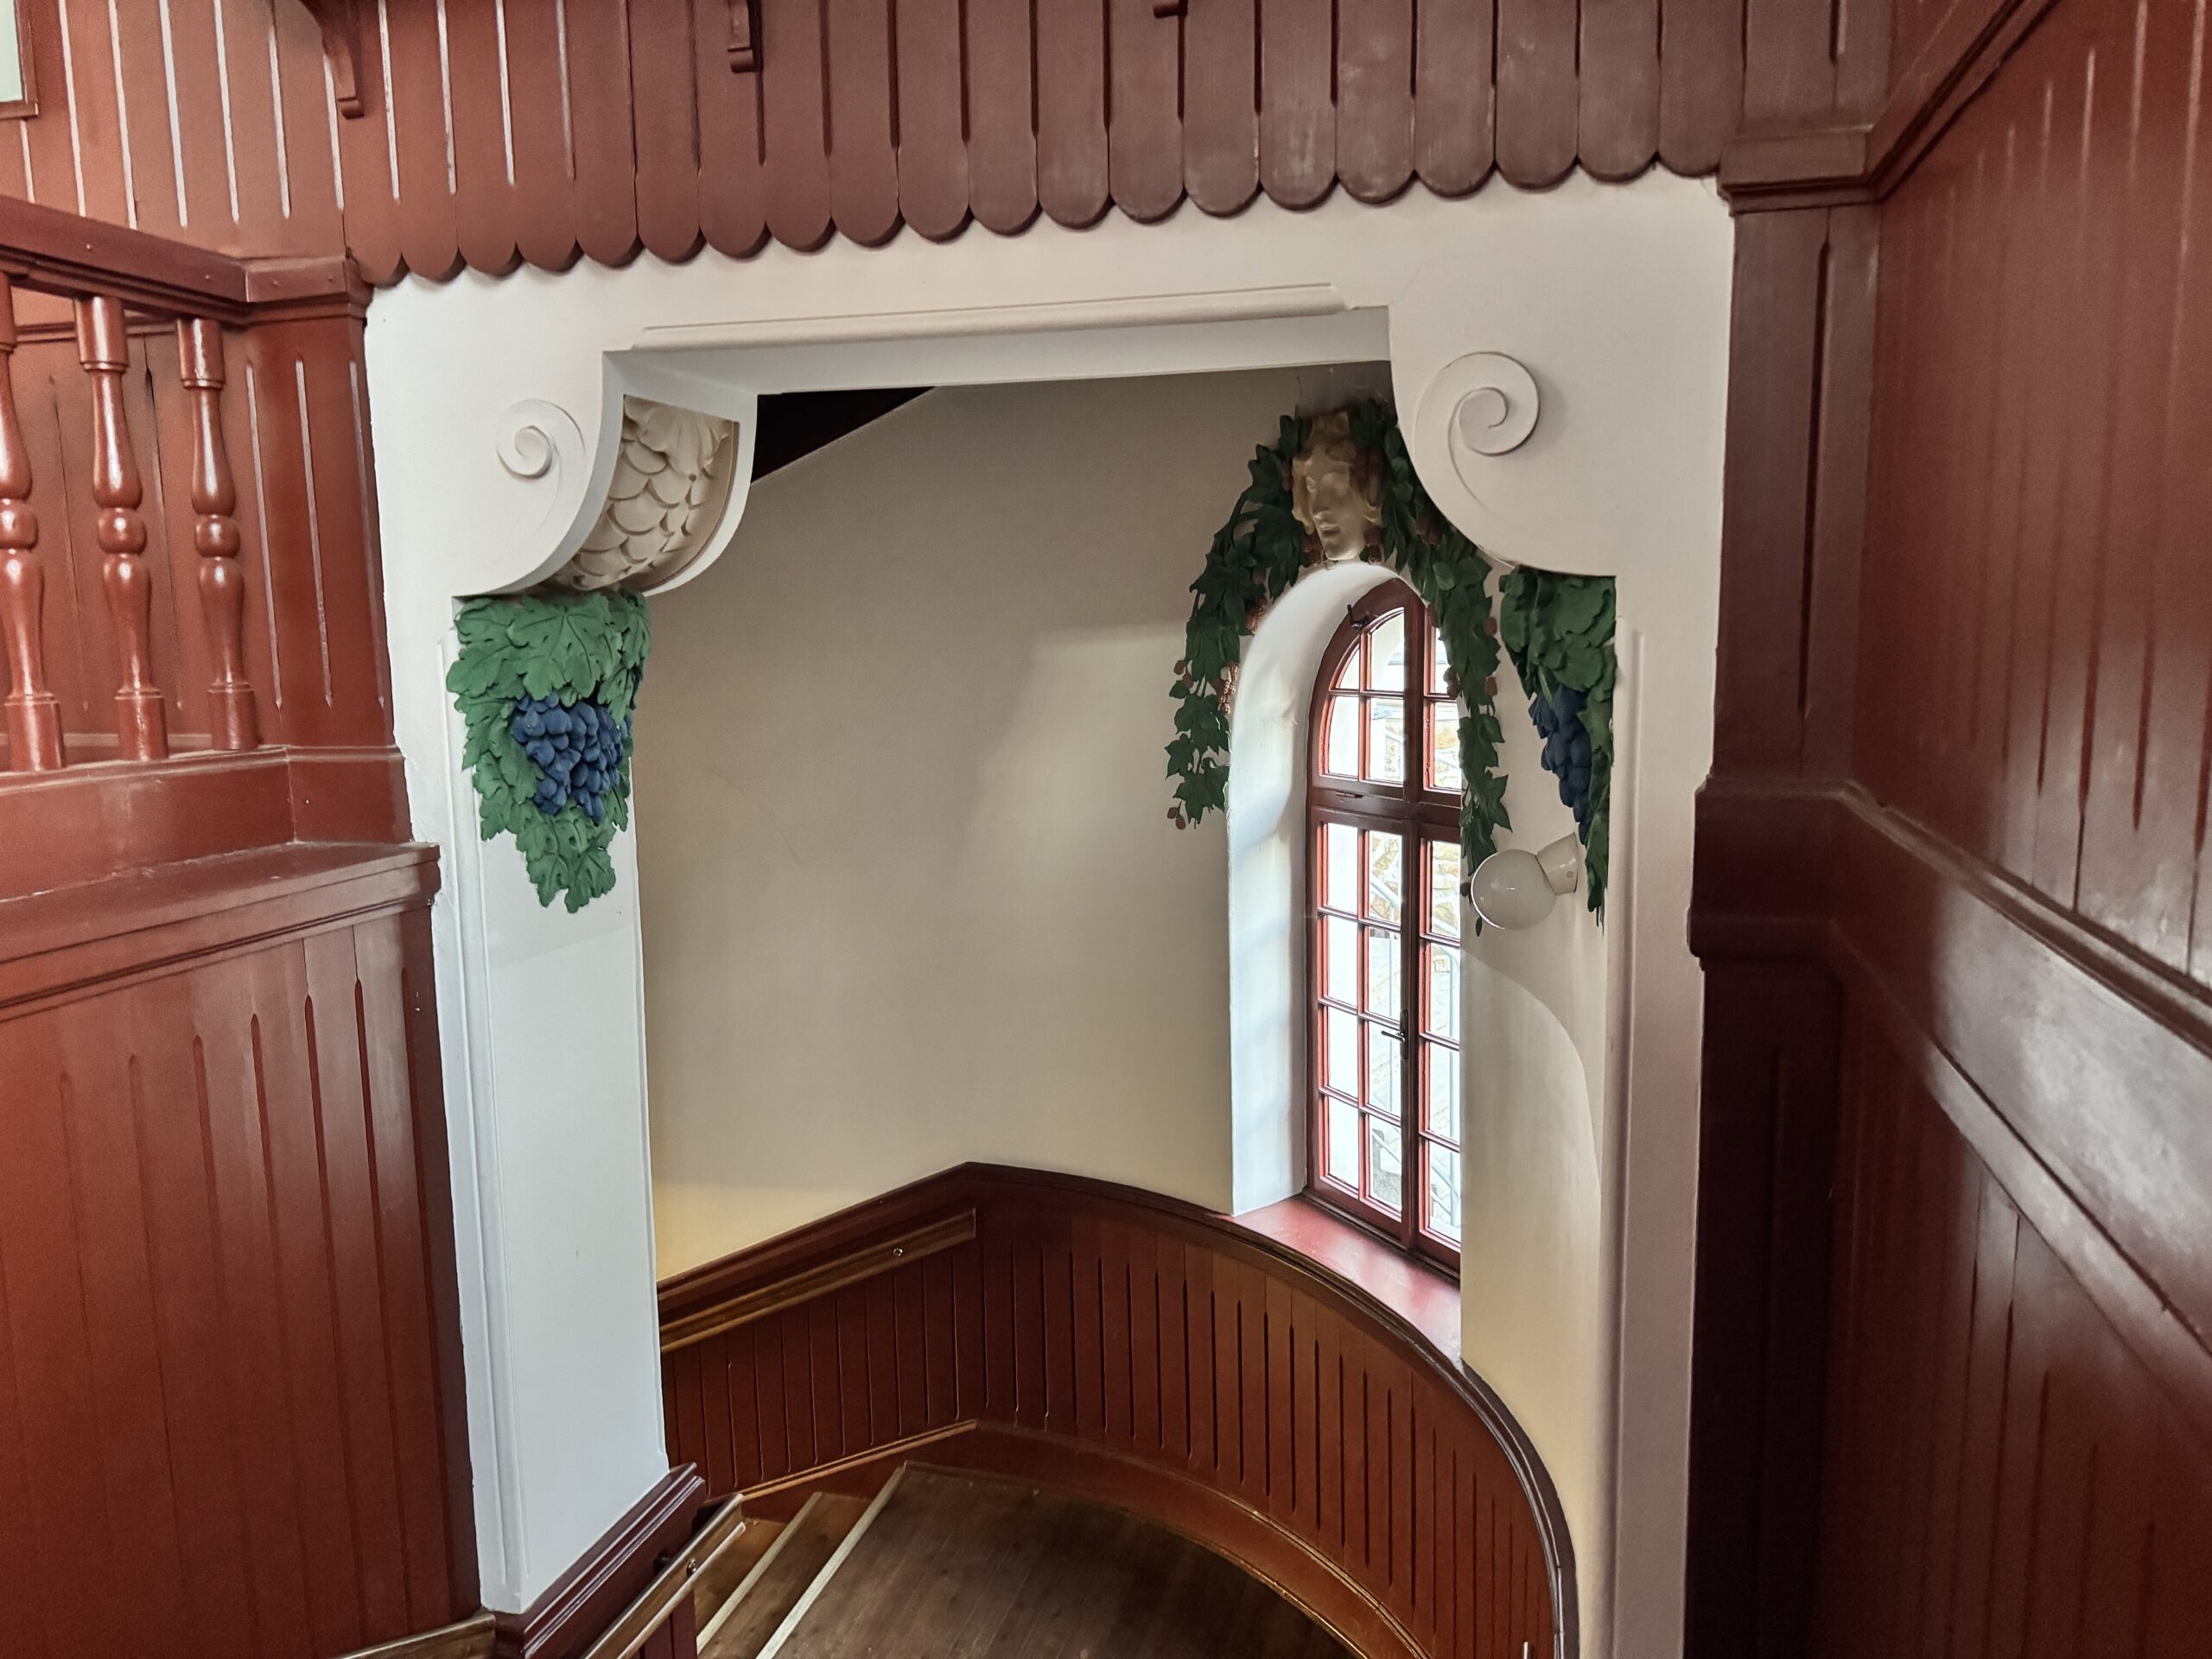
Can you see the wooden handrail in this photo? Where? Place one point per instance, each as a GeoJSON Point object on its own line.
{"type": "Point", "coordinates": [728, 1312]}
{"type": "Point", "coordinates": [472, 1638]}
{"type": "Point", "coordinates": [670, 1586]}
{"type": "Point", "coordinates": [56, 253]}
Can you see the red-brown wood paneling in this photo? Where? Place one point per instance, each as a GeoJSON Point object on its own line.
{"type": "Point", "coordinates": [231, 1355]}
{"type": "Point", "coordinates": [507, 130]}
{"type": "Point", "coordinates": [1962, 760]}
{"type": "Point", "coordinates": [2001, 1462]}
{"type": "Point", "coordinates": [2037, 507]}
{"type": "Point", "coordinates": [294, 415]}
{"type": "Point", "coordinates": [1100, 1330]}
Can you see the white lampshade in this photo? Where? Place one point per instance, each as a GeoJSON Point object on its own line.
{"type": "Point", "coordinates": [1515, 887]}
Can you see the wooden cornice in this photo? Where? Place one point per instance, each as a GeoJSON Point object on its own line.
{"type": "Point", "coordinates": [1841, 164]}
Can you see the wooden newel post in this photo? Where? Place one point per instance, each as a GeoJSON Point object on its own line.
{"type": "Point", "coordinates": [34, 716]}
{"type": "Point", "coordinates": [141, 728]}
{"type": "Point", "coordinates": [215, 534]}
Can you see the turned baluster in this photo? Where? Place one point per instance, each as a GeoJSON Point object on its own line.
{"type": "Point", "coordinates": [215, 534]}
{"type": "Point", "coordinates": [104, 350]}
{"type": "Point", "coordinates": [34, 716]}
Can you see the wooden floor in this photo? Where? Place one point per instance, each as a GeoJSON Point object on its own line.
{"type": "Point", "coordinates": [948, 1565]}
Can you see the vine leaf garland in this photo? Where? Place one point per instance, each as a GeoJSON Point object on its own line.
{"type": "Point", "coordinates": [584, 655]}
{"type": "Point", "coordinates": [1558, 630]}
{"type": "Point", "coordinates": [1253, 559]}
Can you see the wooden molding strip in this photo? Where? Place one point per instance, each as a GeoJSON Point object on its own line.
{"type": "Point", "coordinates": [848, 1269]}
{"type": "Point", "coordinates": [643, 1617]}
{"type": "Point", "coordinates": [1848, 164]}
{"type": "Point", "coordinates": [161, 920]}
{"type": "Point", "coordinates": [2001, 1001]}
{"type": "Point", "coordinates": [470, 1639]}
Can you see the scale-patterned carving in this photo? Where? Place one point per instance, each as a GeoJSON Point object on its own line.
{"type": "Point", "coordinates": [671, 481]}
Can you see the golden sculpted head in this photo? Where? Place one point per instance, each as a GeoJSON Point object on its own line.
{"type": "Point", "coordinates": [1331, 491]}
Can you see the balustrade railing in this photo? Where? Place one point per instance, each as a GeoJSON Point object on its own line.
{"type": "Point", "coordinates": [102, 271]}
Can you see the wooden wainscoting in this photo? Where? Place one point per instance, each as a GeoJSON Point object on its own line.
{"type": "Point", "coordinates": [1142, 1352]}
{"type": "Point", "coordinates": [229, 1341]}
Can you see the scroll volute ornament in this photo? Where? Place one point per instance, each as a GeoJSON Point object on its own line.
{"type": "Point", "coordinates": [215, 535]}
{"type": "Point", "coordinates": [141, 723]}
{"type": "Point", "coordinates": [34, 714]}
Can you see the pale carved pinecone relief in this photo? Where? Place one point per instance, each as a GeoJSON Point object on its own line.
{"type": "Point", "coordinates": [670, 480]}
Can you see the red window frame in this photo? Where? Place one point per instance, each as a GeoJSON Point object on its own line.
{"type": "Point", "coordinates": [1422, 816]}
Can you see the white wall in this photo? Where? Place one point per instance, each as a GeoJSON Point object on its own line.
{"type": "Point", "coordinates": [1534, 1270]}
{"type": "Point", "coordinates": [910, 894]}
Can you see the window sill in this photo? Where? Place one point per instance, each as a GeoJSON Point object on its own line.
{"type": "Point", "coordinates": [1425, 1296]}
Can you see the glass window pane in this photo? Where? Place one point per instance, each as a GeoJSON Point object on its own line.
{"type": "Point", "coordinates": [1386, 654]}
{"type": "Point", "coordinates": [1340, 868]}
{"type": "Point", "coordinates": [1343, 1155]}
{"type": "Point", "coordinates": [1441, 1094]}
{"type": "Point", "coordinates": [1443, 1212]}
{"type": "Point", "coordinates": [1443, 1019]}
{"type": "Point", "coordinates": [1340, 960]}
{"type": "Point", "coordinates": [1384, 1090]}
{"type": "Point", "coordinates": [1348, 670]}
{"type": "Point", "coordinates": [1444, 889]}
{"type": "Point", "coordinates": [1385, 740]}
{"type": "Point", "coordinates": [1438, 665]}
{"type": "Point", "coordinates": [1340, 1053]}
{"type": "Point", "coordinates": [1385, 1158]}
{"type": "Point", "coordinates": [1340, 738]}
{"type": "Point", "coordinates": [1384, 952]}
{"type": "Point", "coordinates": [1444, 747]}
{"type": "Point", "coordinates": [1385, 875]}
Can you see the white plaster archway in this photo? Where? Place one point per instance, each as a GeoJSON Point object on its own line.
{"type": "Point", "coordinates": [1616, 298]}
{"type": "Point", "coordinates": [1267, 871]}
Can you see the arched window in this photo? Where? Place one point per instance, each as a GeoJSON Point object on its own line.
{"type": "Point", "coordinates": [1383, 898]}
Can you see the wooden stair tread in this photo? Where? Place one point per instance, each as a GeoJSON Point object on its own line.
{"type": "Point", "coordinates": [787, 1563]}
{"type": "Point", "coordinates": [721, 1581]}
{"type": "Point", "coordinates": [962, 1566]}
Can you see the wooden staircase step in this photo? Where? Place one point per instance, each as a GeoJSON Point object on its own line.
{"type": "Point", "coordinates": [737, 1624]}
{"type": "Point", "coordinates": [719, 1583]}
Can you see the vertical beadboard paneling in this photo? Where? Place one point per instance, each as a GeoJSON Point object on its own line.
{"type": "Point", "coordinates": [1108, 1325]}
{"type": "Point", "coordinates": [2002, 1468]}
{"type": "Point", "coordinates": [2035, 686]}
{"type": "Point", "coordinates": [225, 1359]}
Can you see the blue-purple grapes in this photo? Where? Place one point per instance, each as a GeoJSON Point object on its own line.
{"type": "Point", "coordinates": [576, 748]}
{"type": "Point", "coordinates": [1566, 749]}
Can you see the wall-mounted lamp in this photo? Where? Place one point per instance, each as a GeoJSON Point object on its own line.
{"type": "Point", "coordinates": [1515, 888]}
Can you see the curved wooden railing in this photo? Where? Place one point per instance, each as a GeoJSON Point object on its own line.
{"type": "Point", "coordinates": [1143, 1352]}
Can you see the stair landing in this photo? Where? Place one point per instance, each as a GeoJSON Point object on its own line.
{"type": "Point", "coordinates": [955, 1565]}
